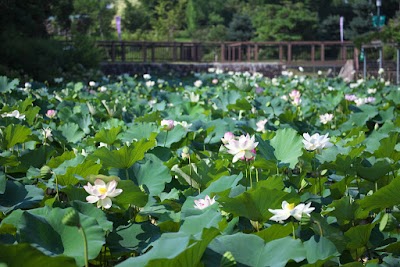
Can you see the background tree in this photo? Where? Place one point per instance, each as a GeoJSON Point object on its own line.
{"type": "Point", "coordinates": [240, 28]}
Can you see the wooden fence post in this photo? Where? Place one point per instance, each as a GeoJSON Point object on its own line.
{"type": "Point", "coordinates": [222, 52]}
{"type": "Point", "coordinates": [322, 52]}
{"type": "Point", "coordinates": [122, 51]}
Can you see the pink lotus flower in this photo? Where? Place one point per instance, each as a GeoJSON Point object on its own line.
{"type": "Point", "coordinates": [242, 148]}
{"type": "Point", "coordinates": [51, 113]}
{"type": "Point", "coordinates": [228, 136]}
{"type": "Point", "coordinates": [168, 125]}
{"type": "Point", "coordinates": [102, 193]}
{"type": "Point", "coordinates": [204, 203]}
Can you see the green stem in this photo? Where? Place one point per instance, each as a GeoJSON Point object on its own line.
{"type": "Point", "coordinates": [250, 178]}
{"type": "Point", "coordinates": [165, 140]}
{"type": "Point", "coordinates": [57, 195]}
{"type": "Point", "coordinates": [257, 175]}
{"type": "Point", "coordinates": [85, 245]}
{"type": "Point", "coordinates": [293, 230]}
{"type": "Point", "coordinates": [319, 227]}
{"type": "Point", "coordinates": [126, 174]}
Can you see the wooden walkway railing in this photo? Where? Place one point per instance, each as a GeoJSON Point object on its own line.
{"type": "Point", "coordinates": [302, 53]}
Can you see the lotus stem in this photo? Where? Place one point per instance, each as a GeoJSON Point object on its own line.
{"type": "Point", "coordinates": [126, 174]}
{"type": "Point", "coordinates": [57, 193]}
{"type": "Point", "coordinates": [293, 231]}
{"type": "Point", "coordinates": [85, 246]}
{"type": "Point", "coordinates": [165, 140]}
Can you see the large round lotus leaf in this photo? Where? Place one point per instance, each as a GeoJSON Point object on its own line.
{"type": "Point", "coordinates": [25, 255]}
{"type": "Point", "coordinates": [44, 229]}
{"type": "Point", "coordinates": [19, 196]}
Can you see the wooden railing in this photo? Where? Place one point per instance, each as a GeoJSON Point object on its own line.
{"type": "Point", "coordinates": [301, 53]}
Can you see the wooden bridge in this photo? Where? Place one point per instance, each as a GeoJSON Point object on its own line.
{"type": "Point", "coordinates": [301, 53]}
{"type": "Point", "coordinates": [315, 54]}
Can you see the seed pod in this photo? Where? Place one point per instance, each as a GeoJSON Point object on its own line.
{"type": "Point", "coordinates": [71, 218]}
{"type": "Point", "coordinates": [305, 220]}
{"type": "Point", "coordinates": [387, 223]}
{"type": "Point", "coordinates": [45, 172]}
{"type": "Point", "coordinates": [227, 260]}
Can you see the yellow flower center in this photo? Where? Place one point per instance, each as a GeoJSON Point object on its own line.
{"type": "Point", "coordinates": [291, 206]}
{"type": "Point", "coordinates": [102, 190]}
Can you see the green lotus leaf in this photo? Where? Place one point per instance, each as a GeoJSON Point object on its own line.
{"type": "Point", "coordinates": [15, 134]}
{"type": "Point", "coordinates": [387, 147]}
{"type": "Point", "coordinates": [25, 255]}
{"type": "Point", "coordinates": [7, 159]}
{"type": "Point", "coordinates": [223, 183]}
{"type": "Point", "coordinates": [19, 196]}
{"type": "Point", "coordinates": [385, 197]}
{"type": "Point", "coordinates": [86, 168]}
{"type": "Point", "coordinates": [288, 146]}
{"type": "Point", "coordinates": [84, 121]}
{"type": "Point", "coordinates": [250, 250]}
{"type": "Point", "coordinates": [174, 249]}
{"type": "Point", "coordinates": [206, 219]}
{"type": "Point", "coordinates": [241, 104]}
{"type": "Point", "coordinates": [6, 86]}
{"type": "Point", "coordinates": [276, 231]}
{"type": "Point", "coordinates": [139, 131]}
{"type": "Point", "coordinates": [131, 194]}
{"type": "Point", "coordinates": [167, 138]}
{"type": "Point", "coordinates": [254, 204]}
{"type": "Point", "coordinates": [71, 132]}
{"type": "Point", "coordinates": [358, 236]}
{"type": "Point", "coordinates": [226, 98]}
{"type": "Point", "coordinates": [373, 171]}
{"type": "Point", "coordinates": [92, 211]}
{"type": "Point", "coordinates": [152, 174]}
{"type": "Point", "coordinates": [319, 248]}
{"type": "Point", "coordinates": [3, 183]}
{"type": "Point", "coordinates": [124, 157]}
{"type": "Point", "coordinates": [215, 131]}
{"type": "Point", "coordinates": [108, 136]}
{"type": "Point", "coordinates": [33, 159]}
{"type": "Point", "coordinates": [57, 161]}
{"type": "Point", "coordinates": [343, 210]}
{"type": "Point", "coordinates": [132, 237]}
{"type": "Point", "coordinates": [43, 227]}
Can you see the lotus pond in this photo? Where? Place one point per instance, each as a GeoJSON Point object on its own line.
{"type": "Point", "coordinates": [217, 169]}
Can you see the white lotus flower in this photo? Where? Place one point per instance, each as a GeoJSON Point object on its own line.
{"type": "Point", "coordinates": [146, 76]}
{"type": "Point", "coordinates": [198, 83]}
{"type": "Point", "coordinates": [92, 83]}
{"type": "Point", "coordinates": [14, 114]}
{"type": "Point", "coordinates": [325, 118]}
{"type": "Point", "coordinates": [242, 148]}
{"type": "Point", "coordinates": [102, 193]}
{"type": "Point", "coordinates": [316, 141]}
{"type": "Point", "coordinates": [204, 203]}
{"type": "Point", "coordinates": [184, 124]}
{"type": "Point", "coordinates": [261, 125]}
{"type": "Point", "coordinates": [290, 210]}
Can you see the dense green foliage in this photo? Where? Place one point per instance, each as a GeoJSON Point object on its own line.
{"type": "Point", "coordinates": [58, 142]}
